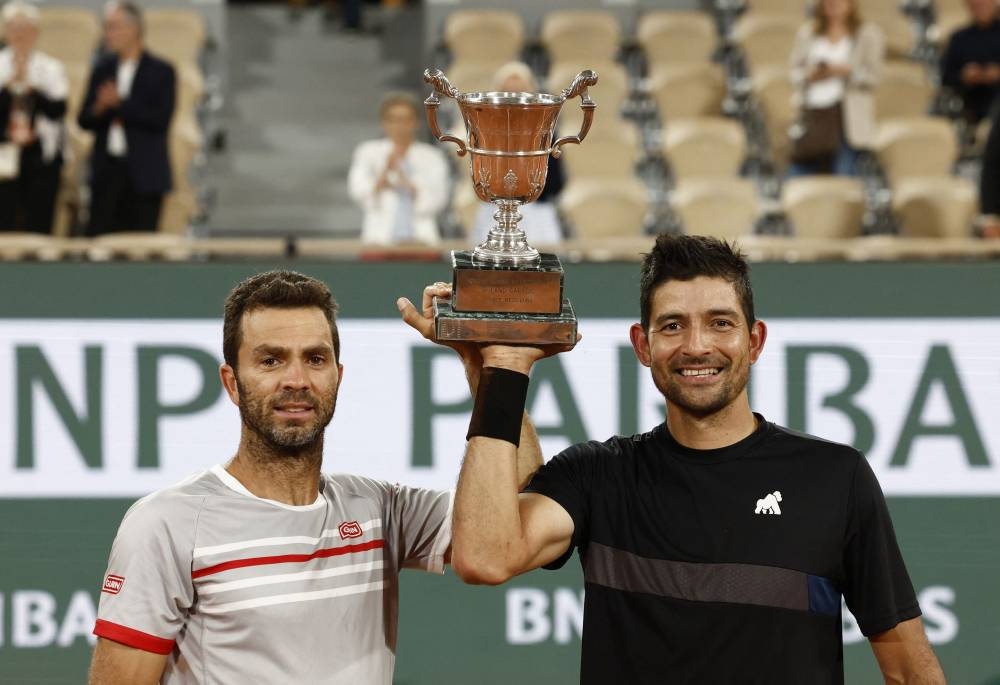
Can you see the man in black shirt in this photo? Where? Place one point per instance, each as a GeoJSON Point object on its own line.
{"type": "Point", "coordinates": [971, 62]}
{"type": "Point", "coordinates": [717, 546]}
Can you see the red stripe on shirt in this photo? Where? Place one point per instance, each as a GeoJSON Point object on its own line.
{"type": "Point", "coordinates": [133, 638]}
{"type": "Point", "coordinates": [287, 558]}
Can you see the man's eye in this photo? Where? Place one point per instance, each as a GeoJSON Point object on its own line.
{"type": "Point", "coordinates": [317, 359]}
{"type": "Point", "coordinates": [269, 361]}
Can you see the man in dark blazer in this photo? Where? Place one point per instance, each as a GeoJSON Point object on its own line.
{"type": "Point", "coordinates": [128, 106]}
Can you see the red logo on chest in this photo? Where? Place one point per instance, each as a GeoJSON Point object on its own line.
{"type": "Point", "coordinates": [350, 529]}
{"type": "Point", "coordinates": [113, 584]}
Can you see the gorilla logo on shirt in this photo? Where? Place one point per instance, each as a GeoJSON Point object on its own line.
{"type": "Point", "coordinates": [769, 505]}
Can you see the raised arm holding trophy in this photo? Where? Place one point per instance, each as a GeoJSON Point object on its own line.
{"type": "Point", "coordinates": [505, 290]}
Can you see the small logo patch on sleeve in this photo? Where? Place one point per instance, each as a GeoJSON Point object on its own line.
{"type": "Point", "coordinates": [113, 584]}
{"type": "Point", "coordinates": [350, 529]}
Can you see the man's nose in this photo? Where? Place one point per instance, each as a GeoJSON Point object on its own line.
{"type": "Point", "coordinates": [295, 375]}
{"type": "Point", "coordinates": [697, 342]}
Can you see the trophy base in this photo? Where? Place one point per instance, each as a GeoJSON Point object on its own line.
{"type": "Point", "coordinates": [479, 286]}
{"type": "Point", "coordinates": [498, 327]}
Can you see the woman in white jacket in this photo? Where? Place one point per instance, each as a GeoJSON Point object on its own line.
{"type": "Point", "coordinates": [837, 61]}
{"type": "Point", "coordinates": [399, 182]}
{"type": "Point", "coordinates": [33, 92]}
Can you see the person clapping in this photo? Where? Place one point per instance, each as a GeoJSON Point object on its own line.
{"type": "Point", "coordinates": [32, 106]}
{"type": "Point", "coordinates": [399, 182]}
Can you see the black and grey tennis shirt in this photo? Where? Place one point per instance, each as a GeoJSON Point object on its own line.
{"type": "Point", "coordinates": [726, 565]}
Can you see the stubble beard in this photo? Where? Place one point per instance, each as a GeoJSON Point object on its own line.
{"type": "Point", "coordinates": [287, 440]}
{"type": "Point", "coordinates": [702, 402]}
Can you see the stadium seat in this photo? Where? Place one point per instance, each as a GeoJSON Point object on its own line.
{"type": "Point", "coordinates": [608, 152]}
{"type": "Point", "coordinates": [704, 147]}
{"type": "Point", "coordinates": [580, 36]}
{"type": "Point", "coordinates": [600, 208]}
{"type": "Point", "coordinates": [177, 35]}
{"type": "Point", "coordinates": [774, 93]}
{"type": "Point", "coordinates": [16, 246]}
{"type": "Point", "coordinates": [610, 93]}
{"type": "Point", "coordinates": [935, 207]}
{"type": "Point", "coordinates": [689, 90]}
{"type": "Point", "coordinates": [190, 90]}
{"type": "Point", "coordinates": [903, 91]}
{"type": "Point", "coordinates": [471, 76]}
{"type": "Point", "coordinates": [917, 146]}
{"type": "Point", "coordinates": [70, 34]}
{"type": "Point", "coordinates": [77, 73]}
{"type": "Point", "coordinates": [766, 40]}
{"type": "Point", "coordinates": [670, 37]}
{"type": "Point", "coordinates": [180, 205]}
{"type": "Point", "coordinates": [899, 33]}
{"type": "Point", "coordinates": [824, 206]}
{"type": "Point", "coordinates": [946, 23]}
{"type": "Point", "coordinates": [725, 208]}
{"type": "Point", "coordinates": [493, 36]}
{"type": "Point", "coordinates": [787, 8]}
{"type": "Point", "coordinates": [138, 246]}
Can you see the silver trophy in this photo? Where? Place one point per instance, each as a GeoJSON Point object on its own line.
{"type": "Point", "coordinates": [504, 289]}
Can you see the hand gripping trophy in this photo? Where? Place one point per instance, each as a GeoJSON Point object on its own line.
{"type": "Point", "coordinates": [505, 290]}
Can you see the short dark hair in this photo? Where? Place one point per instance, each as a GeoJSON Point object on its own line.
{"type": "Point", "coordinates": [277, 289]}
{"type": "Point", "coordinates": [398, 97]}
{"type": "Point", "coordinates": [686, 257]}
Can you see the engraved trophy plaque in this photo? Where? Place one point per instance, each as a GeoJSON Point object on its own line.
{"type": "Point", "coordinates": [505, 290]}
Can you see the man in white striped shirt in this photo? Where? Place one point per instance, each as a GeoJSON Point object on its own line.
{"type": "Point", "coordinates": [267, 570]}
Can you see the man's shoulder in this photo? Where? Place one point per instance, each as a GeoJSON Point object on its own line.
{"type": "Point", "coordinates": [175, 502]}
{"type": "Point", "coordinates": [796, 441]}
{"type": "Point", "coordinates": [613, 447]}
{"type": "Point", "coordinates": [157, 64]}
{"type": "Point", "coordinates": [353, 485]}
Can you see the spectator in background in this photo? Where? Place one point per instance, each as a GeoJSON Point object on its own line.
{"type": "Point", "coordinates": [128, 105]}
{"type": "Point", "coordinates": [989, 184]}
{"type": "Point", "coordinates": [541, 221]}
{"type": "Point", "coordinates": [399, 182]}
{"type": "Point", "coordinates": [32, 106]}
{"type": "Point", "coordinates": [971, 63]}
{"type": "Point", "coordinates": [837, 61]}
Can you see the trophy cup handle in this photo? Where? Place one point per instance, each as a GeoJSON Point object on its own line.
{"type": "Point", "coordinates": [583, 80]}
{"type": "Point", "coordinates": [442, 86]}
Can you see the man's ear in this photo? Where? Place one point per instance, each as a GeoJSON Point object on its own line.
{"type": "Point", "coordinates": [758, 334]}
{"type": "Point", "coordinates": [228, 376]}
{"type": "Point", "coordinates": [640, 343]}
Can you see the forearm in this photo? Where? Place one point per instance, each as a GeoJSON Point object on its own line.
{"type": "Point", "coordinates": [529, 451]}
{"type": "Point", "coordinates": [928, 674]}
{"type": "Point", "coordinates": [487, 539]}
{"type": "Point", "coordinates": [905, 657]}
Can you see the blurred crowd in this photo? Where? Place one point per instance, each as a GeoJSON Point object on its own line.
{"type": "Point", "coordinates": [842, 107]}
{"type": "Point", "coordinates": [763, 106]}
{"type": "Point", "coordinates": [86, 149]}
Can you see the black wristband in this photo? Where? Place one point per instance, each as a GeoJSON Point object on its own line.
{"type": "Point", "coordinates": [499, 405]}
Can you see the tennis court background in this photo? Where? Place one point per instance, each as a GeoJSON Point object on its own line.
{"type": "Point", "coordinates": [107, 390]}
